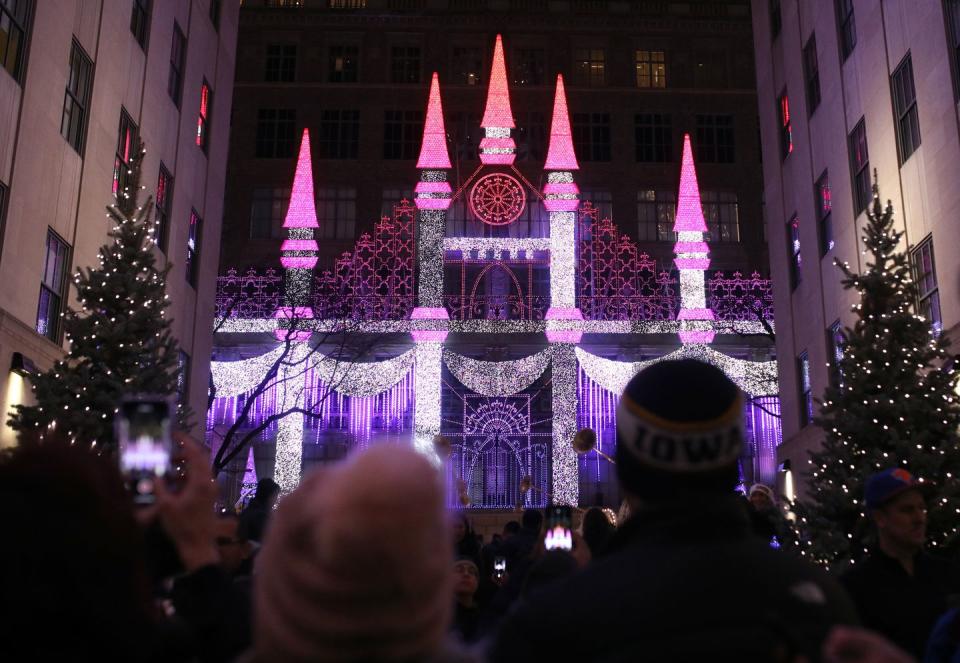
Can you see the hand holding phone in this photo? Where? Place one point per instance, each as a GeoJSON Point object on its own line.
{"type": "Point", "coordinates": [144, 443]}
{"type": "Point", "coordinates": [559, 525]}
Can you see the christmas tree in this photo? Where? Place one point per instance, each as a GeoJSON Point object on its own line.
{"type": "Point", "coordinates": [890, 404]}
{"type": "Point", "coordinates": [120, 340]}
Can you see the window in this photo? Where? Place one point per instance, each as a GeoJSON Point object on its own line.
{"type": "Point", "coordinates": [602, 201]}
{"type": "Point", "coordinates": [811, 74]}
{"type": "Point", "coordinates": [183, 378]}
{"type": "Point", "coordinates": [464, 132]}
{"type": "Point", "coordinates": [848, 27]}
{"type": "Point", "coordinates": [339, 134]}
{"type": "Point", "coordinates": [721, 211]}
{"type": "Point", "coordinates": [178, 51]}
{"type": "Point", "coordinates": [52, 287]}
{"type": "Point", "coordinates": [654, 137]}
{"type": "Point", "coordinates": [925, 275]}
{"type": "Point", "coordinates": [163, 202]}
{"type": "Point", "coordinates": [343, 63]}
{"type": "Point", "coordinates": [3, 207]}
{"type": "Point", "coordinates": [276, 129]}
{"type": "Point", "coordinates": [591, 136]}
{"type": "Point", "coordinates": [401, 134]}
{"type": "Point", "coordinates": [203, 117]}
{"type": "Point", "coordinates": [529, 67]}
{"type": "Point", "coordinates": [651, 69]}
{"type": "Point", "coordinates": [859, 167]}
{"type": "Point", "coordinates": [793, 251]}
{"type": "Point", "coordinates": [905, 109]}
{"type": "Point", "coordinates": [786, 130]}
{"type": "Point", "coordinates": [215, 6]}
{"type": "Point", "coordinates": [337, 212]}
{"type": "Point", "coordinates": [835, 341]}
{"type": "Point", "coordinates": [13, 27]}
{"type": "Point", "coordinates": [655, 215]}
{"type": "Point", "coordinates": [824, 205]}
{"type": "Point", "coordinates": [193, 247]}
{"type": "Point", "coordinates": [806, 389]}
{"type": "Point", "coordinates": [714, 138]}
{"type": "Point", "coordinates": [391, 198]}
{"type": "Point", "coordinates": [281, 63]}
{"type": "Point", "coordinates": [953, 20]}
{"type": "Point", "coordinates": [775, 19]}
{"type": "Point", "coordinates": [531, 136]}
{"type": "Point", "coordinates": [126, 144]}
{"type": "Point", "coordinates": [588, 66]}
{"type": "Point", "coordinates": [140, 21]}
{"type": "Point", "coordinates": [267, 212]}
{"type": "Point", "coordinates": [467, 66]}
{"type": "Point", "coordinates": [405, 64]}
{"type": "Point", "coordinates": [73, 124]}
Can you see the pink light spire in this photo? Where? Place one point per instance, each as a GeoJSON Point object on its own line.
{"type": "Point", "coordinates": [302, 213]}
{"type": "Point", "coordinates": [689, 210]}
{"type": "Point", "coordinates": [433, 149]}
{"type": "Point", "coordinates": [497, 112]}
{"type": "Point", "coordinates": [560, 154]}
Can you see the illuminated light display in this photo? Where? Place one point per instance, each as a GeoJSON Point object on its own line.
{"type": "Point", "coordinates": [495, 247]}
{"type": "Point", "coordinates": [560, 153]}
{"type": "Point", "coordinates": [427, 397]}
{"type": "Point", "coordinates": [429, 324]}
{"type": "Point", "coordinates": [361, 378]}
{"type": "Point", "coordinates": [689, 217]}
{"type": "Point", "coordinates": [433, 149]}
{"type": "Point", "coordinates": [566, 478]}
{"type": "Point", "coordinates": [233, 378]}
{"type": "Point", "coordinates": [290, 388]}
{"type": "Point", "coordinates": [496, 146]}
{"type": "Point", "coordinates": [497, 199]}
{"type": "Point", "coordinates": [497, 378]}
{"type": "Point", "coordinates": [563, 284]}
{"type": "Point", "coordinates": [430, 283]}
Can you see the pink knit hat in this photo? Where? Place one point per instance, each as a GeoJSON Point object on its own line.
{"type": "Point", "coordinates": [356, 565]}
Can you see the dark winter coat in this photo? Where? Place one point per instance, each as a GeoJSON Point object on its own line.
{"type": "Point", "coordinates": [673, 586]}
{"type": "Point", "coordinates": [902, 607]}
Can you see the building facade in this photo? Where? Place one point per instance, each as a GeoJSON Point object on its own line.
{"type": "Point", "coordinates": [81, 82]}
{"type": "Point", "coordinates": [846, 88]}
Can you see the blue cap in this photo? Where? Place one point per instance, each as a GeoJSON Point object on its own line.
{"type": "Point", "coordinates": [884, 486]}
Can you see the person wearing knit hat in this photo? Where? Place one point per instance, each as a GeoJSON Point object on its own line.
{"type": "Point", "coordinates": [356, 566]}
{"type": "Point", "coordinates": [663, 589]}
{"type": "Point", "coordinates": [761, 496]}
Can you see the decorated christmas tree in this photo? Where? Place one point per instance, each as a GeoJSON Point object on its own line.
{"type": "Point", "coordinates": [891, 404]}
{"type": "Point", "coordinates": [120, 340]}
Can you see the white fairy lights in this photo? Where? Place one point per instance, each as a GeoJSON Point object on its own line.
{"type": "Point", "coordinates": [427, 404]}
{"type": "Point", "coordinates": [361, 378]}
{"type": "Point", "coordinates": [430, 281]}
{"type": "Point", "coordinates": [566, 478]}
{"type": "Point", "coordinates": [290, 393]}
{"type": "Point", "coordinates": [562, 260]}
{"type": "Point", "coordinates": [233, 378]}
{"type": "Point", "coordinates": [495, 247]}
{"type": "Point", "coordinates": [497, 378]}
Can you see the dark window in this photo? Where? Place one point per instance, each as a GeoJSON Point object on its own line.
{"type": "Point", "coordinates": [339, 134]}
{"type": "Point", "coordinates": [405, 64]}
{"type": "Point", "coordinates": [715, 138]}
{"type": "Point", "coordinates": [721, 211]}
{"type": "Point", "coordinates": [215, 7]}
{"type": "Point", "coordinates": [824, 205]}
{"type": "Point", "coordinates": [953, 21]}
{"type": "Point", "coordinates": [401, 134]}
{"type": "Point", "coordinates": [467, 65]}
{"type": "Point", "coordinates": [140, 21]}
{"type": "Point", "coordinates": [183, 378]}
{"type": "Point", "coordinates": [835, 342]}
{"type": "Point", "coordinates": [464, 134]}
{"type": "Point", "coordinates": [163, 198]}
{"type": "Point", "coordinates": [905, 109]}
{"type": "Point", "coordinates": [343, 63]}
{"type": "Point", "coordinates": [786, 126]}
{"type": "Point", "coordinates": [860, 166]}
{"type": "Point", "coordinates": [281, 64]}
{"type": "Point", "coordinates": [602, 201]}
{"type": "Point", "coordinates": [775, 18]}
{"type": "Point", "coordinates": [178, 51]}
{"type": "Point", "coordinates": [13, 28]}
{"type": "Point", "coordinates": [591, 136]}
{"type": "Point", "coordinates": [276, 129]}
{"type": "Point", "coordinates": [193, 247]}
{"type": "Point", "coordinates": [589, 66]}
{"type": "Point", "coordinates": [267, 212]}
{"type": "Point", "coordinates": [531, 137]}
{"type": "Point", "coordinates": [806, 389]}
{"type": "Point", "coordinates": [337, 212]}
{"type": "Point", "coordinates": [76, 100]}
{"type": "Point", "coordinates": [654, 137]}
{"type": "Point", "coordinates": [925, 275]}
{"type": "Point", "coordinates": [793, 250]}
{"type": "Point", "coordinates": [530, 67]}
{"type": "Point", "coordinates": [811, 74]}
{"type": "Point", "coordinates": [126, 143]}
{"type": "Point", "coordinates": [848, 27]}
{"type": "Point", "coordinates": [651, 69]}
{"type": "Point", "coordinates": [391, 197]}
{"type": "Point", "coordinates": [203, 117]}
{"type": "Point", "coordinates": [655, 215]}
{"type": "Point", "coordinates": [52, 287]}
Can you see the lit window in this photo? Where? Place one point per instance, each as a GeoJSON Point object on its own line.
{"type": "Point", "coordinates": [655, 215]}
{"type": "Point", "coordinates": [343, 63]}
{"type": "Point", "coordinates": [806, 389]}
{"type": "Point", "coordinates": [835, 342]}
{"type": "Point", "coordinates": [905, 109]}
{"type": "Point", "coordinates": [126, 143]}
{"type": "Point", "coordinates": [162, 199]}
{"type": "Point", "coordinates": [203, 118]}
{"type": "Point", "coordinates": [52, 287]}
{"type": "Point", "coordinates": [793, 250]}
{"type": "Point", "coordinates": [193, 247]}
{"type": "Point", "coordinates": [824, 205]}
{"type": "Point", "coordinates": [860, 167]}
{"type": "Point", "coordinates": [589, 66]}
{"type": "Point", "coordinates": [925, 276]}
{"type": "Point", "coordinates": [467, 65]}
{"type": "Point", "coordinates": [651, 69]}
{"type": "Point", "coordinates": [721, 211]}
{"type": "Point", "coordinates": [786, 131]}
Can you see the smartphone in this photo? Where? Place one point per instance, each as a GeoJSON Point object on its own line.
{"type": "Point", "coordinates": [559, 524]}
{"type": "Point", "coordinates": [143, 426]}
{"type": "Point", "coordinates": [499, 567]}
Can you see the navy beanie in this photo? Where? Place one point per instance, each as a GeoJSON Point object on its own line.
{"type": "Point", "coordinates": [679, 432]}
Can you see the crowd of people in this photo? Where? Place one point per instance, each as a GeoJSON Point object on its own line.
{"type": "Point", "coordinates": [362, 562]}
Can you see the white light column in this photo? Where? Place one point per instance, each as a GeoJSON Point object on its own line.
{"type": "Point", "coordinates": [291, 386]}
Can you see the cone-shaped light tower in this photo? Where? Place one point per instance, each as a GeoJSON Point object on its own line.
{"type": "Point", "coordinates": [693, 255]}
{"type": "Point", "coordinates": [497, 147]}
{"type": "Point", "coordinates": [433, 191]}
{"type": "Point", "coordinates": [561, 155]}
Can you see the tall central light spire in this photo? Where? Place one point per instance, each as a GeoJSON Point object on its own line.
{"type": "Point", "coordinates": [497, 147]}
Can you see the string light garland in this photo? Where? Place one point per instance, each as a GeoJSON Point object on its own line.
{"type": "Point", "coordinates": [361, 378]}
{"type": "Point", "coordinates": [233, 378]}
{"type": "Point", "coordinates": [566, 478]}
{"type": "Point", "coordinates": [495, 247]}
{"type": "Point", "coordinates": [497, 378]}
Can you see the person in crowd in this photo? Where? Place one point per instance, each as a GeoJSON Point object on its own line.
{"type": "Point", "coordinates": [511, 528]}
{"type": "Point", "coordinates": [768, 521]}
{"type": "Point", "coordinates": [236, 551]}
{"type": "Point", "coordinates": [256, 516]}
{"type": "Point", "coordinates": [663, 589]}
{"type": "Point", "coordinates": [597, 530]}
{"type": "Point", "coordinates": [899, 589]}
{"type": "Point", "coordinates": [465, 541]}
{"type": "Point", "coordinates": [518, 546]}
{"type": "Point", "coordinates": [356, 569]}
{"type": "Point", "coordinates": [466, 617]}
